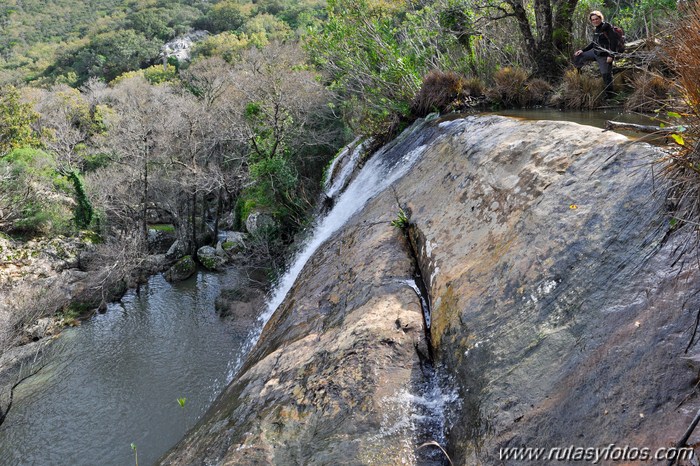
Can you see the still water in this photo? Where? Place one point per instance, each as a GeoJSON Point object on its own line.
{"type": "Point", "coordinates": [596, 118]}
{"type": "Point", "coordinates": [116, 379]}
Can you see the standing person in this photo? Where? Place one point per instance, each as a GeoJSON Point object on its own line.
{"type": "Point", "coordinates": [600, 50]}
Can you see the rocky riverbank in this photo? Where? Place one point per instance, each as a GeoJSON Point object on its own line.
{"type": "Point", "coordinates": [50, 283]}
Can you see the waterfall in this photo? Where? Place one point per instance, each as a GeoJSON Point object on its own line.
{"type": "Point", "coordinates": [376, 176]}
{"type": "Point", "coordinates": [387, 165]}
{"type": "Point", "coordinates": [335, 183]}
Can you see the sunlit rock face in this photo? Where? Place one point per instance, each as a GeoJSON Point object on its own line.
{"type": "Point", "coordinates": [560, 311]}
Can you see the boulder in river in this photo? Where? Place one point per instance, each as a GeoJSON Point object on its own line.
{"type": "Point", "coordinates": [181, 270]}
{"type": "Point", "coordinates": [210, 258]}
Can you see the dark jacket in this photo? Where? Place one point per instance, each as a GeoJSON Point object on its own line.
{"type": "Point", "coordinates": [604, 40]}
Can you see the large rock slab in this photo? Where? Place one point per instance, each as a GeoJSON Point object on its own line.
{"type": "Point", "coordinates": [559, 308]}
{"type": "Point", "coordinates": [556, 301]}
{"type": "Point", "coordinates": [327, 364]}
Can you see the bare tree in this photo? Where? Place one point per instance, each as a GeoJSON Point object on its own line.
{"type": "Point", "coordinates": [140, 131]}
{"type": "Point", "coordinates": [283, 101]}
{"type": "Point", "coordinates": [545, 29]}
{"type": "Point", "coordinates": [65, 124]}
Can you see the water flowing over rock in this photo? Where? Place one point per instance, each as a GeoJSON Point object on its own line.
{"type": "Point", "coordinates": [343, 167]}
{"type": "Point", "coordinates": [559, 310]}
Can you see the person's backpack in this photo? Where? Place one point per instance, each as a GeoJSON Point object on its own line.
{"type": "Point", "coordinates": [620, 38]}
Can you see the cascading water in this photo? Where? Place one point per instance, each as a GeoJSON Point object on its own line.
{"type": "Point", "coordinates": [421, 408]}
{"type": "Point", "coordinates": [423, 302]}
{"type": "Point", "coordinates": [378, 174]}
{"type": "Point", "coordinates": [420, 412]}
{"type": "Point", "coordinates": [335, 183]}
{"type": "Point", "coordinates": [385, 167]}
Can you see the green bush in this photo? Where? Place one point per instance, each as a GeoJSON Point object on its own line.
{"type": "Point", "coordinates": [83, 210]}
{"type": "Point", "coordinates": [244, 207]}
{"type": "Point", "coordinates": [16, 119]}
{"type": "Point", "coordinates": [35, 197]}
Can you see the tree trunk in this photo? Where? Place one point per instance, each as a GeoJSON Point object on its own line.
{"type": "Point", "coordinates": [541, 47]}
{"type": "Point", "coordinates": [562, 25]}
{"type": "Point", "coordinates": [203, 219]}
{"type": "Point", "coordinates": [193, 222]}
{"type": "Point", "coordinates": [217, 217]}
{"type": "Point", "coordinates": [144, 200]}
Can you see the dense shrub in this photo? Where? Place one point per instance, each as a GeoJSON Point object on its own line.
{"type": "Point", "coordinates": [538, 91]}
{"type": "Point", "coordinates": [512, 88]}
{"type": "Point", "coordinates": [108, 55]}
{"type": "Point", "coordinates": [16, 119]}
{"type": "Point", "coordinates": [33, 196]}
{"type": "Point", "coordinates": [223, 16]}
{"type": "Point", "coordinates": [473, 86]}
{"type": "Point", "coordinates": [439, 90]}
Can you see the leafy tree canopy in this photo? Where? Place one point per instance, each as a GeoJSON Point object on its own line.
{"type": "Point", "coordinates": [16, 118]}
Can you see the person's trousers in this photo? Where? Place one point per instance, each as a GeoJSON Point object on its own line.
{"type": "Point", "coordinates": [605, 67]}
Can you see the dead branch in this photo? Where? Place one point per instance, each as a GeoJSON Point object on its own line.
{"type": "Point", "coordinates": [617, 125]}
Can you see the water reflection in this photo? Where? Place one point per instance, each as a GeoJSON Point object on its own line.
{"type": "Point", "coordinates": [596, 118]}
{"type": "Point", "coordinates": [116, 380]}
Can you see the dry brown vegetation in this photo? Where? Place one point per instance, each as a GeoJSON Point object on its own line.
{"type": "Point", "coordinates": [683, 166]}
{"type": "Point", "coordinates": [509, 87]}
{"type": "Point", "coordinates": [650, 92]}
{"type": "Point", "coordinates": [538, 91]}
{"type": "Point", "coordinates": [441, 91]}
{"type": "Point", "coordinates": [513, 88]}
{"type": "Point", "coordinates": [580, 90]}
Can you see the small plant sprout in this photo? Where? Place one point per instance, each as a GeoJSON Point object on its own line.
{"type": "Point", "coordinates": [181, 402]}
{"type": "Point", "coordinates": [401, 221]}
{"type": "Point", "coordinates": [136, 453]}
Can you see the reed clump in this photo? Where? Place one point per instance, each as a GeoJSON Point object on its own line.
{"type": "Point", "coordinates": [509, 87]}
{"type": "Point", "coordinates": [580, 90]}
{"type": "Point", "coordinates": [682, 166]}
{"type": "Point", "coordinates": [651, 92]}
{"type": "Point", "coordinates": [442, 91]}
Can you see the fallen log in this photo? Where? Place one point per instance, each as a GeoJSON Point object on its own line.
{"type": "Point", "coordinates": [668, 130]}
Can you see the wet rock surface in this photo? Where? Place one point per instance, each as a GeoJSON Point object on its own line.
{"type": "Point", "coordinates": [558, 306]}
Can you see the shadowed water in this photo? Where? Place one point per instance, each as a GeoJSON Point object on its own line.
{"type": "Point", "coordinates": [116, 380]}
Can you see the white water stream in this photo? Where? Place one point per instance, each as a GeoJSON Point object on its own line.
{"type": "Point", "coordinates": [335, 184]}
{"type": "Point", "coordinates": [377, 175]}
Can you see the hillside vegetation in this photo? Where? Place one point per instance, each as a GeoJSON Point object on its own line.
{"type": "Point", "coordinates": [98, 134]}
